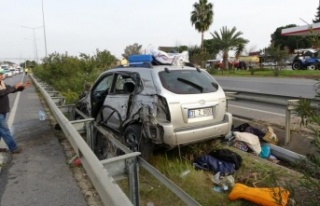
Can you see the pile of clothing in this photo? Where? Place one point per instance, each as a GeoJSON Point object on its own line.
{"type": "Point", "coordinates": [222, 163]}
{"type": "Point", "coordinates": [250, 139]}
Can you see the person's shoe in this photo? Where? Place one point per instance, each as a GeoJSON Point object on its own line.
{"type": "Point", "coordinates": [3, 150]}
{"type": "Point", "coordinates": [17, 150]}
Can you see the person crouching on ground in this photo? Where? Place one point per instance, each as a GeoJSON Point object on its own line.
{"type": "Point", "coordinates": [5, 133]}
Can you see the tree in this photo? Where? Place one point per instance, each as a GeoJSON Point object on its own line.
{"type": "Point", "coordinates": [202, 17]}
{"type": "Point", "coordinates": [226, 40]}
{"type": "Point", "coordinates": [58, 70]}
{"type": "Point", "coordinates": [197, 56]}
{"type": "Point", "coordinates": [210, 47]}
{"type": "Point", "coordinates": [239, 50]}
{"type": "Point", "coordinates": [279, 56]}
{"type": "Point", "coordinates": [317, 19]}
{"type": "Point", "coordinates": [291, 42]}
{"type": "Point", "coordinates": [104, 59]}
{"type": "Point", "coordinates": [182, 48]}
{"type": "Point", "coordinates": [29, 64]}
{"type": "Point", "coordinates": [132, 49]}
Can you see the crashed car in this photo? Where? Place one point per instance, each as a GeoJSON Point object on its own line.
{"type": "Point", "coordinates": [306, 59]}
{"type": "Point", "coordinates": [149, 105]}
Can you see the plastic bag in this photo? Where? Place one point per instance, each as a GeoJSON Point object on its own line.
{"type": "Point", "coordinates": [265, 151]}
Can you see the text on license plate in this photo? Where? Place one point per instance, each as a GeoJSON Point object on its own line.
{"type": "Point", "coordinates": [203, 112]}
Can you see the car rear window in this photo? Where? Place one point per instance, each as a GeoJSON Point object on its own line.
{"type": "Point", "coordinates": [188, 81]}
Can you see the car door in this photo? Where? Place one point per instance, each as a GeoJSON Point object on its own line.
{"type": "Point", "coordinates": [117, 103]}
{"type": "Point", "coordinates": [99, 92]}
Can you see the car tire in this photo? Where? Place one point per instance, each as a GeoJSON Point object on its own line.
{"type": "Point", "coordinates": [313, 66]}
{"type": "Point", "coordinates": [296, 65]}
{"type": "Point", "coordinates": [104, 148]}
{"type": "Point", "coordinates": [136, 142]}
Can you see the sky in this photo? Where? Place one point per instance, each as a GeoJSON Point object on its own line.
{"type": "Point", "coordinates": [83, 26]}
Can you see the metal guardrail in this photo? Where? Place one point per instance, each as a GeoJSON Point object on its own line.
{"type": "Point", "coordinates": [288, 101]}
{"type": "Point", "coordinates": [110, 193]}
{"type": "Point", "coordinates": [104, 173]}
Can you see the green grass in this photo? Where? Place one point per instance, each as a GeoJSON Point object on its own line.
{"type": "Point", "coordinates": [311, 74]}
{"type": "Point", "coordinates": [254, 172]}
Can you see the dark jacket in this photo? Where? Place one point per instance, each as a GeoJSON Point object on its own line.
{"type": "Point", "coordinates": [4, 99]}
{"type": "Point", "coordinates": [209, 163]}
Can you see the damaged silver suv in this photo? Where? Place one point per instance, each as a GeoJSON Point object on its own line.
{"type": "Point", "coordinates": [149, 105]}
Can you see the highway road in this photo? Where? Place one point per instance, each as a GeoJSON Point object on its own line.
{"type": "Point", "coordinates": [296, 87]}
{"type": "Point", "coordinates": [262, 111]}
{"type": "Point", "coordinates": [39, 175]}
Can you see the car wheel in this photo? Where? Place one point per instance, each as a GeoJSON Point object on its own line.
{"type": "Point", "coordinates": [296, 65]}
{"type": "Point", "coordinates": [136, 142]}
{"type": "Point", "coordinates": [313, 66]}
{"type": "Point", "coordinates": [103, 147]}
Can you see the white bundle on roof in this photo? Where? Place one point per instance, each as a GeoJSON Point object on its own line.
{"type": "Point", "coordinates": [169, 58]}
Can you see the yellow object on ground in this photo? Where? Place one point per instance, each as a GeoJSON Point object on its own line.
{"type": "Point", "coordinates": [275, 196]}
{"type": "Point", "coordinates": [270, 136]}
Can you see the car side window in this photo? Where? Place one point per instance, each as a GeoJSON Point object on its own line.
{"type": "Point", "coordinates": [103, 85]}
{"type": "Point", "coordinates": [124, 84]}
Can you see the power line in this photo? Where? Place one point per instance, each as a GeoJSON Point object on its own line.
{"type": "Point", "coordinates": [34, 41]}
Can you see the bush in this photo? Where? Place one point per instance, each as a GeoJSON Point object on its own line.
{"type": "Point", "coordinates": [68, 74]}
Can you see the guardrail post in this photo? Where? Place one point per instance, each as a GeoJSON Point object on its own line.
{"type": "Point", "coordinates": [229, 96]}
{"type": "Point", "coordinates": [89, 135]}
{"type": "Point", "coordinates": [291, 106]}
{"type": "Point", "coordinates": [133, 180]}
{"type": "Point", "coordinates": [288, 123]}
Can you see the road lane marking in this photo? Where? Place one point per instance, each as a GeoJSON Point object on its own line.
{"type": "Point", "coordinates": [13, 111]}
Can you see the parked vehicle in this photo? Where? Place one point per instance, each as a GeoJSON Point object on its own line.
{"type": "Point", "coordinates": [218, 64]}
{"type": "Point", "coordinates": [150, 105]}
{"type": "Point", "coordinates": [306, 59]}
{"type": "Point", "coordinates": [9, 73]}
{"type": "Point", "coordinates": [13, 71]}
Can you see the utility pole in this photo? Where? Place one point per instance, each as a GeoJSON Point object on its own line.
{"type": "Point", "coordinates": [34, 41]}
{"type": "Point", "coordinates": [44, 31]}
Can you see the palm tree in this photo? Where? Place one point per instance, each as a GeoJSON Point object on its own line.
{"type": "Point", "coordinates": [239, 50]}
{"type": "Point", "coordinates": [202, 17]}
{"type": "Point", "coordinates": [226, 40]}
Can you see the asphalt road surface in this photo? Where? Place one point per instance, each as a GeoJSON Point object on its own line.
{"type": "Point", "coordinates": [39, 176]}
{"type": "Point", "coordinates": [275, 114]}
{"type": "Point", "coordinates": [294, 87]}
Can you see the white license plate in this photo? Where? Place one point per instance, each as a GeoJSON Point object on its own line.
{"type": "Point", "coordinates": [203, 112]}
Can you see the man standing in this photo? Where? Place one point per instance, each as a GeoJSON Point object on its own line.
{"type": "Point", "coordinates": [26, 71]}
{"type": "Point", "coordinates": [5, 133]}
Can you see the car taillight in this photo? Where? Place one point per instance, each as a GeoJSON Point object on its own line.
{"type": "Point", "coordinates": [163, 113]}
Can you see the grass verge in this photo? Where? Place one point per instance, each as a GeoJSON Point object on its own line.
{"type": "Point", "coordinates": [254, 172]}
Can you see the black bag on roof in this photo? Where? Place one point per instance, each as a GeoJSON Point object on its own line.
{"type": "Point", "coordinates": [228, 156]}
